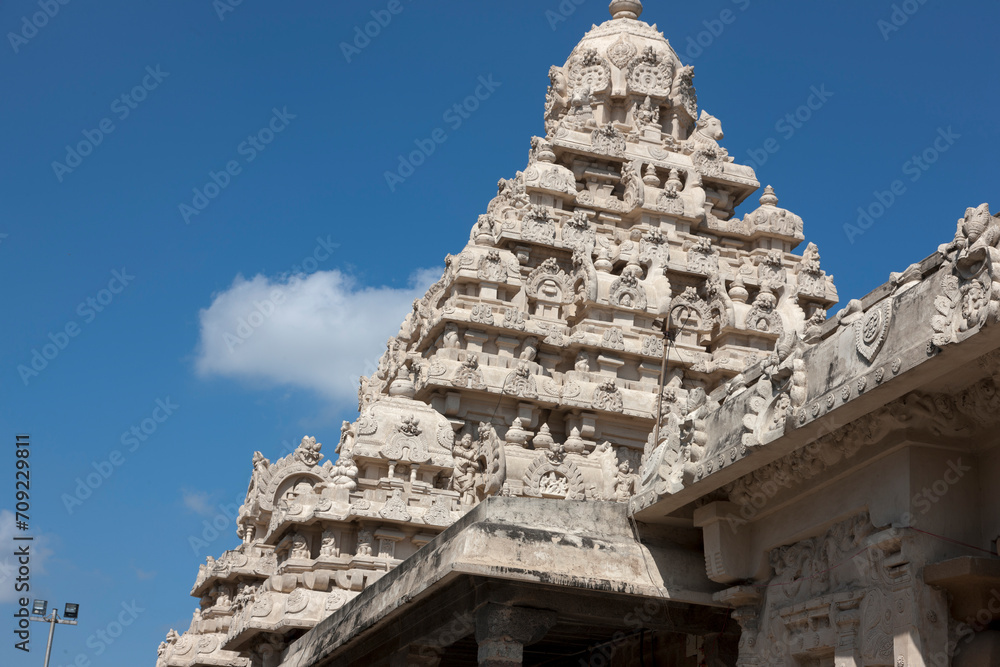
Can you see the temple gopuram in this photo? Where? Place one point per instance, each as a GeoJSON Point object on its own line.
{"type": "Point", "coordinates": [625, 428]}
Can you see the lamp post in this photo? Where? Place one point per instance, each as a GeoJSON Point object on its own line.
{"type": "Point", "coordinates": [70, 614]}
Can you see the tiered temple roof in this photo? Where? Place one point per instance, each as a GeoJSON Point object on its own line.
{"type": "Point", "coordinates": [533, 367]}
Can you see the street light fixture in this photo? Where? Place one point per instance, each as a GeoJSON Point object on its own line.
{"type": "Point", "coordinates": [38, 609]}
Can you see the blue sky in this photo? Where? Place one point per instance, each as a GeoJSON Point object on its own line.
{"type": "Point", "coordinates": [140, 300]}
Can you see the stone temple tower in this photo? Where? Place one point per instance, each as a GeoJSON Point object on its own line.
{"type": "Point", "coordinates": [533, 367]}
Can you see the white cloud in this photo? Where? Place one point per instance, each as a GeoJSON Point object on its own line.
{"type": "Point", "coordinates": [320, 332]}
{"type": "Point", "coordinates": [8, 563]}
{"type": "Point", "coordinates": [142, 575]}
{"type": "Point", "coordinates": [198, 502]}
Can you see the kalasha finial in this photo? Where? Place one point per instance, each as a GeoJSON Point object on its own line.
{"type": "Point", "coordinates": [769, 198]}
{"type": "Point", "coordinates": [626, 9]}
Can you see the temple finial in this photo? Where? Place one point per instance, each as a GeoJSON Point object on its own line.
{"type": "Point", "coordinates": [769, 198]}
{"type": "Point", "coordinates": [626, 9]}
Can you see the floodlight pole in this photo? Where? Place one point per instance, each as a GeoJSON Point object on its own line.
{"type": "Point", "coordinates": [52, 620]}
{"type": "Point", "coordinates": [52, 632]}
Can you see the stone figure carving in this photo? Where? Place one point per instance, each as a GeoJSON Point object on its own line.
{"type": "Point", "coordinates": [513, 319]}
{"type": "Point", "coordinates": [395, 507]}
{"type": "Point", "coordinates": [491, 267]}
{"type": "Point", "coordinates": [260, 475]}
{"type": "Point", "coordinates": [482, 313]}
{"type": "Point", "coordinates": [345, 473]}
{"type": "Point", "coordinates": [581, 109]}
{"type": "Point", "coordinates": [772, 270]}
{"type": "Point", "coordinates": [624, 481]}
{"type": "Point", "coordinates": [978, 229]}
{"type": "Point", "coordinates": [365, 540]}
{"type": "Point", "coordinates": [670, 201]}
{"type": "Point", "coordinates": [587, 69]}
{"type": "Point", "coordinates": [552, 475]}
{"type": "Point", "coordinates": [684, 90]}
{"type": "Point", "coordinates": [439, 513]}
{"type": "Point", "coordinates": [607, 397]}
{"type": "Point", "coordinates": [614, 339]}
{"type": "Point", "coordinates": [486, 231]}
{"type": "Point", "coordinates": [469, 374]}
{"type": "Point", "coordinates": [492, 460]}
{"type": "Point", "coordinates": [608, 139]}
{"type": "Point", "coordinates": [763, 315]}
{"type": "Point", "coordinates": [651, 74]}
{"type": "Point", "coordinates": [869, 598]}
{"type": "Point", "coordinates": [410, 426]}
{"type": "Point", "coordinates": [529, 350]}
{"type": "Point", "coordinates": [970, 286]}
{"type": "Point", "coordinates": [647, 114]}
{"type": "Point", "coordinates": [556, 99]}
{"type": "Point", "coordinates": [708, 156]}
{"type": "Point", "coordinates": [299, 547]}
{"type": "Point", "coordinates": [553, 483]}
{"type": "Point", "coordinates": [687, 311]}
{"type": "Point", "coordinates": [708, 133]}
{"type": "Point", "coordinates": [450, 339]}
{"type": "Point", "coordinates": [466, 469]}
{"type": "Point", "coordinates": [621, 52]}
{"type": "Point", "coordinates": [812, 280]}
{"type": "Point", "coordinates": [578, 233]}
{"type": "Point", "coordinates": [702, 256]}
{"type": "Point", "coordinates": [626, 291]}
{"type": "Point", "coordinates": [538, 225]}
{"type": "Point", "coordinates": [694, 197]}
{"type": "Point", "coordinates": [328, 544]}
{"type": "Point", "coordinates": [635, 190]}
{"type": "Point", "coordinates": [347, 437]}
{"type": "Point", "coordinates": [521, 383]}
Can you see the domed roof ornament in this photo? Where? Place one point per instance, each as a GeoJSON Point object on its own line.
{"type": "Point", "coordinates": [769, 198]}
{"type": "Point", "coordinates": [626, 9]}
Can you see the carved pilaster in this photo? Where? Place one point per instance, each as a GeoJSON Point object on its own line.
{"type": "Point", "coordinates": [848, 620]}
{"type": "Point", "coordinates": [502, 633]}
{"type": "Point", "coordinates": [749, 621]}
{"type": "Point", "coordinates": [746, 603]}
{"type": "Point", "coordinates": [268, 653]}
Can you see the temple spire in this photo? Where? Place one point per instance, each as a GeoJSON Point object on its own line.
{"type": "Point", "coordinates": [626, 9]}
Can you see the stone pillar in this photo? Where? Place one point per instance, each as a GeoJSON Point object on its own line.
{"type": "Point", "coordinates": [848, 621]}
{"type": "Point", "coordinates": [474, 341]}
{"type": "Point", "coordinates": [502, 633]}
{"type": "Point", "coordinates": [749, 620]}
{"type": "Point", "coordinates": [268, 652]}
{"type": "Point", "coordinates": [506, 346]}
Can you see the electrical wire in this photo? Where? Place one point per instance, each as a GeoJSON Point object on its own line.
{"type": "Point", "coordinates": [669, 342]}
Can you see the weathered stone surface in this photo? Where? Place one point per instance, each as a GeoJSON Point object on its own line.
{"type": "Point", "coordinates": [532, 541]}
{"type": "Point", "coordinates": [830, 480]}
